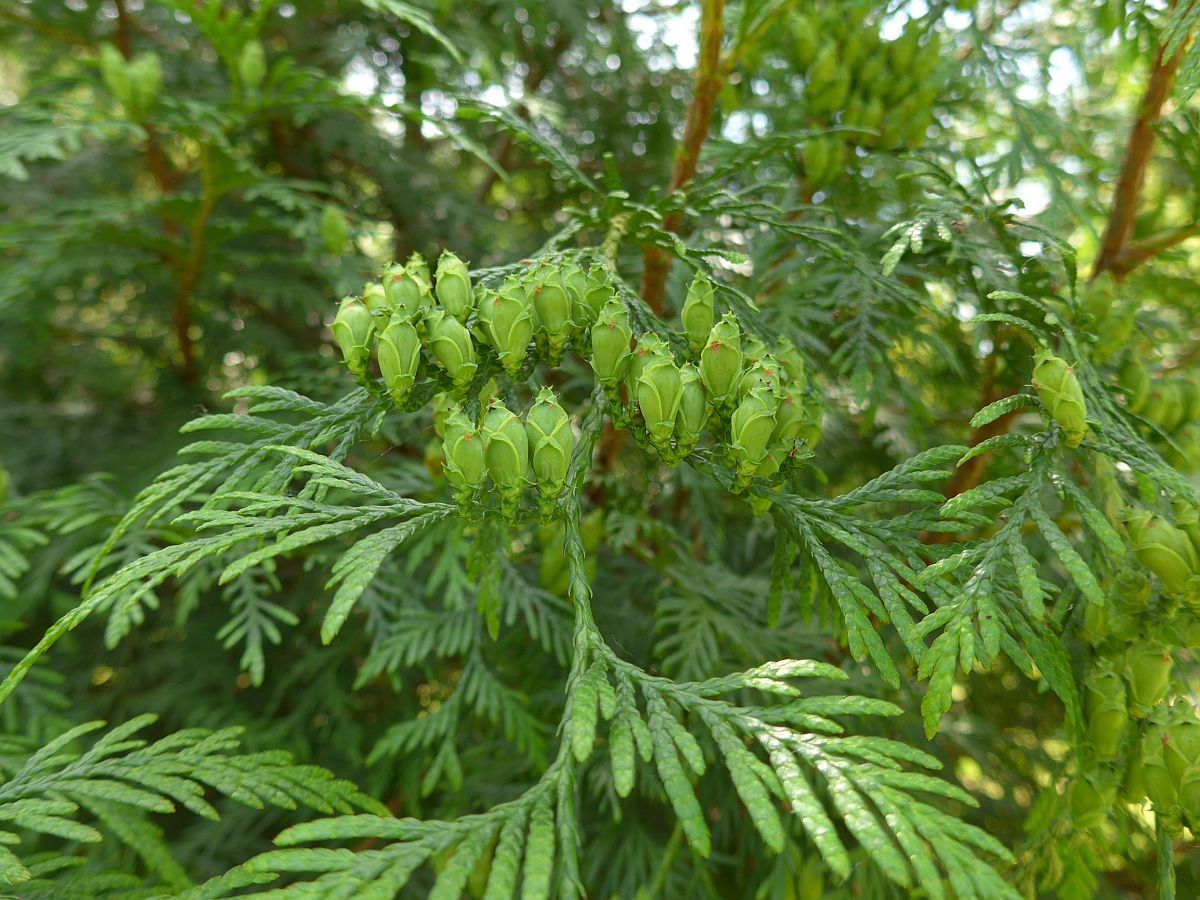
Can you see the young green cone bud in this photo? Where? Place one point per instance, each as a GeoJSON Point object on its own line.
{"type": "Point", "coordinates": [552, 304]}
{"type": "Point", "coordinates": [1161, 786]}
{"type": "Point", "coordinates": [1187, 518]}
{"type": "Point", "coordinates": [693, 411]}
{"type": "Point", "coordinates": [659, 395]}
{"type": "Point", "coordinates": [763, 375]}
{"type": "Point", "coordinates": [509, 324]}
{"type": "Point", "coordinates": [404, 292]}
{"type": "Point", "coordinates": [610, 344]}
{"type": "Point", "coordinates": [576, 283]}
{"type": "Point", "coordinates": [793, 363]}
{"type": "Point", "coordinates": [751, 428]}
{"type": "Point", "coordinates": [454, 286]}
{"type": "Point", "coordinates": [462, 446]}
{"type": "Point", "coordinates": [375, 299]}
{"type": "Point", "coordinates": [352, 329]}
{"type": "Point", "coordinates": [1148, 668]}
{"type": "Point", "coordinates": [1163, 549]}
{"type": "Point", "coordinates": [597, 294]}
{"type": "Point", "coordinates": [417, 267]}
{"type": "Point", "coordinates": [399, 352]}
{"type": "Point", "coordinates": [1059, 390]}
{"type": "Point", "coordinates": [451, 345]}
{"type": "Point", "coordinates": [252, 65]}
{"type": "Point", "coordinates": [789, 417]}
{"type": "Point", "coordinates": [1107, 715]}
{"type": "Point", "coordinates": [335, 230]}
{"type": "Point", "coordinates": [551, 442]}
{"type": "Point", "coordinates": [506, 452]}
{"type": "Point", "coordinates": [721, 360]}
{"type": "Point", "coordinates": [698, 312]}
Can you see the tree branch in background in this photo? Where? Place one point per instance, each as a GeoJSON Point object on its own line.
{"type": "Point", "coordinates": [1117, 256]}
{"type": "Point", "coordinates": [710, 75]}
{"type": "Point", "coordinates": [1128, 191]}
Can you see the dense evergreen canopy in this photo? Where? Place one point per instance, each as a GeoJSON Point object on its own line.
{"type": "Point", "coordinates": [611, 449]}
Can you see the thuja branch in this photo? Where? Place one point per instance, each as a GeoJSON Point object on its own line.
{"type": "Point", "coordinates": [1126, 196]}
{"type": "Point", "coordinates": [710, 75]}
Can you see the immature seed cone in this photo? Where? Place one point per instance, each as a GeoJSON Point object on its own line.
{"type": "Point", "coordinates": [1163, 549]}
{"type": "Point", "coordinates": [452, 348]}
{"type": "Point", "coordinates": [598, 292]}
{"type": "Point", "coordinates": [693, 411]}
{"type": "Point", "coordinates": [762, 375]}
{"type": "Point", "coordinates": [1160, 784]}
{"type": "Point", "coordinates": [751, 428]}
{"type": "Point", "coordinates": [575, 281]}
{"type": "Point", "coordinates": [465, 466]}
{"type": "Point", "coordinates": [352, 329]}
{"type": "Point", "coordinates": [405, 291]}
{"type": "Point", "coordinates": [1148, 669]}
{"type": "Point", "coordinates": [417, 267]}
{"type": "Point", "coordinates": [659, 395]}
{"type": "Point", "coordinates": [552, 305]}
{"type": "Point", "coordinates": [1108, 718]}
{"type": "Point", "coordinates": [698, 312]}
{"type": "Point", "coordinates": [1059, 390]}
{"type": "Point", "coordinates": [789, 417]}
{"type": "Point", "coordinates": [252, 65]}
{"type": "Point", "coordinates": [454, 286]}
{"type": "Point", "coordinates": [335, 230]}
{"type": "Point", "coordinates": [375, 299]}
{"type": "Point", "coordinates": [509, 323]}
{"type": "Point", "coordinates": [399, 352]}
{"type": "Point", "coordinates": [610, 344]}
{"type": "Point", "coordinates": [551, 442]}
{"type": "Point", "coordinates": [506, 452]}
{"type": "Point", "coordinates": [721, 361]}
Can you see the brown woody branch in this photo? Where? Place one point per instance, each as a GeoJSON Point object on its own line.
{"type": "Point", "coordinates": [710, 75]}
{"type": "Point", "coordinates": [1114, 248]}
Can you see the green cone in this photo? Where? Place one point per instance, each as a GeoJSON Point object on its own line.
{"type": "Point", "coordinates": [454, 286]}
{"type": "Point", "coordinates": [399, 352]}
{"type": "Point", "coordinates": [1163, 549]}
{"type": "Point", "coordinates": [751, 428]}
{"type": "Point", "coordinates": [352, 328]}
{"type": "Point", "coordinates": [1108, 718]}
{"type": "Point", "coordinates": [1059, 390]}
{"type": "Point", "coordinates": [698, 312]}
{"type": "Point", "coordinates": [551, 442]}
{"type": "Point", "coordinates": [659, 395]}
{"type": "Point", "coordinates": [597, 294]}
{"type": "Point", "coordinates": [417, 267]}
{"type": "Point", "coordinates": [462, 447]}
{"type": "Point", "coordinates": [693, 411]}
{"type": "Point", "coordinates": [552, 305]}
{"type": "Point", "coordinates": [610, 344]}
{"type": "Point", "coordinates": [509, 323]}
{"type": "Point", "coordinates": [721, 360]}
{"type": "Point", "coordinates": [405, 292]}
{"type": "Point", "coordinates": [506, 452]}
{"type": "Point", "coordinates": [452, 348]}
{"type": "Point", "coordinates": [1148, 669]}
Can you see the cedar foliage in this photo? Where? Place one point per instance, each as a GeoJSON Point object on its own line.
{"type": "Point", "coordinates": [944, 644]}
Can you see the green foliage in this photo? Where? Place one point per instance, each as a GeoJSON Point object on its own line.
{"type": "Point", "coordinates": [466, 515]}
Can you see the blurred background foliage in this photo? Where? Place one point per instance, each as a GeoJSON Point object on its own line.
{"type": "Point", "coordinates": [163, 243]}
